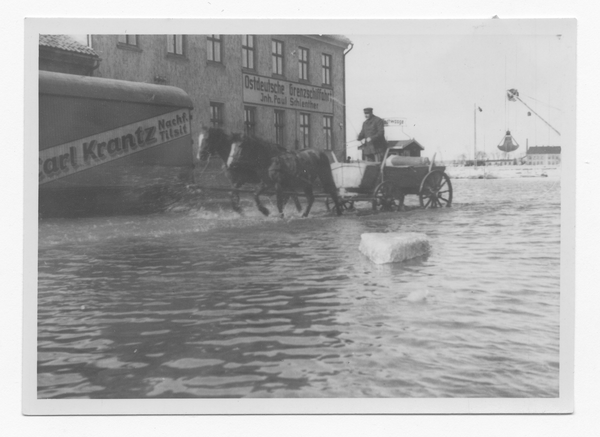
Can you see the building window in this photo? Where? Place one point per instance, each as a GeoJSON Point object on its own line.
{"type": "Point", "coordinates": [214, 48]}
{"type": "Point", "coordinates": [277, 57]}
{"type": "Point", "coordinates": [216, 115]}
{"type": "Point", "coordinates": [279, 124]}
{"type": "Point", "coordinates": [175, 44]}
{"type": "Point", "coordinates": [303, 63]}
{"type": "Point", "coordinates": [328, 131]}
{"type": "Point", "coordinates": [249, 120]}
{"type": "Point", "coordinates": [248, 52]}
{"type": "Point", "coordinates": [305, 130]}
{"type": "Point", "coordinates": [326, 61]}
{"type": "Point", "coordinates": [128, 40]}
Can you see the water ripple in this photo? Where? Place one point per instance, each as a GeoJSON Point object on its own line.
{"type": "Point", "coordinates": [203, 303]}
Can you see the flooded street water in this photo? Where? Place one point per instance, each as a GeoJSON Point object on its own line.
{"type": "Point", "coordinates": [205, 303]}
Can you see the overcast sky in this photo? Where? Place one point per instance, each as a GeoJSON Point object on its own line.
{"type": "Point", "coordinates": [435, 81]}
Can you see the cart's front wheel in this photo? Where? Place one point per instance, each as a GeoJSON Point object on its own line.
{"type": "Point", "coordinates": [435, 190]}
{"type": "Point", "coordinates": [385, 198]}
{"type": "Point", "coordinates": [348, 205]}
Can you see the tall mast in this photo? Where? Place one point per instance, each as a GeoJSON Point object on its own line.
{"type": "Point", "coordinates": [475, 134]}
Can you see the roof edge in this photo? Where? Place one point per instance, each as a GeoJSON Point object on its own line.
{"type": "Point", "coordinates": [338, 40]}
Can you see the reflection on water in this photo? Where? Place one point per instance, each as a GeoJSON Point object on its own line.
{"type": "Point", "coordinates": [204, 303]}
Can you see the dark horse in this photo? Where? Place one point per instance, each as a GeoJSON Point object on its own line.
{"type": "Point", "coordinates": [216, 141]}
{"type": "Point", "coordinates": [287, 170]}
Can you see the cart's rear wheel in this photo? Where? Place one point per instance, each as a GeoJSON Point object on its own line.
{"type": "Point", "coordinates": [435, 190]}
{"type": "Point", "coordinates": [386, 198]}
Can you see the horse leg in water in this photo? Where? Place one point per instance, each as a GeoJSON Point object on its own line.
{"type": "Point", "coordinates": [275, 174]}
{"type": "Point", "coordinates": [328, 183]}
{"type": "Point", "coordinates": [310, 198]}
{"type": "Point", "coordinates": [286, 198]}
{"type": "Point", "coordinates": [281, 198]}
{"type": "Point", "coordinates": [297, 203]}
{"type": "Point", "coordinates": [235, 198]}
{"type": "Point", "coordinates": [259, 189]}
{"type": "Point", "coordinates": [336, 200]}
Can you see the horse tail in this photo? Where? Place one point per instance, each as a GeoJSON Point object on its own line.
{"type": "Point", "coordinates": [326, 177]}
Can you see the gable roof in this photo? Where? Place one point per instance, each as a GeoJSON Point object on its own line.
{"type": "Point", "coordinates": [66, 43]}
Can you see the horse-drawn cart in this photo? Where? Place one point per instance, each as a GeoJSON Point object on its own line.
{"type": "Point", "coordinates": [385, 184]}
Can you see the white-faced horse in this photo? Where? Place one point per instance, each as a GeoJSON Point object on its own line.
{"type": "Point", "coordinates": [216, 141]}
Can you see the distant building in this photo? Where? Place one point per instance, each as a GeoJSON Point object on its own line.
{"type": "Point", "coordinates": [286, 89]}
{"type": "Point", "coordinates": [512, 161]}
{"type": "Point", "coordinates": [63, 54]}
{"type": "Point", "coordinates": [543, 155]}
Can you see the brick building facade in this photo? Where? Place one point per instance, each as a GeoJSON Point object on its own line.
{"type": "Point", "coordinates": [286, 89]}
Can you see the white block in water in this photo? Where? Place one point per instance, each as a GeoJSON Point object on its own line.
{"type": "Point", "coordinates": [418, 295]}
{"type": "Point", "coordinates": [391, 247]}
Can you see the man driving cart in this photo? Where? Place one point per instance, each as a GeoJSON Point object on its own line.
{"type": "Point", "coordinates": [372, 132]}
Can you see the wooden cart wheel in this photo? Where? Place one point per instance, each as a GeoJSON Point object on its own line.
{"type": "Point", "coordinates": [385, 198]}
{"type": "Point", "coordinates": [348, 205]}
{"type": "Point", "coordinates": [435, 190]}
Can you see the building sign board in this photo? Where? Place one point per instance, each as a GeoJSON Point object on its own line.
{"type": "Point", "coordinates": [267, 91]}
{"type": "Point", "coordinates": [394, 121]}
{"type": "Point", "coordinates": [66, 159]}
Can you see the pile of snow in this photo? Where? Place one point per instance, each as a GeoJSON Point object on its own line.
{"type": "Point", "coordinates": [390, 247]}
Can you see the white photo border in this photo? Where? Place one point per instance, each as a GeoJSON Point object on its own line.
{"type": "Point", "coordinates": [34, 406]}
